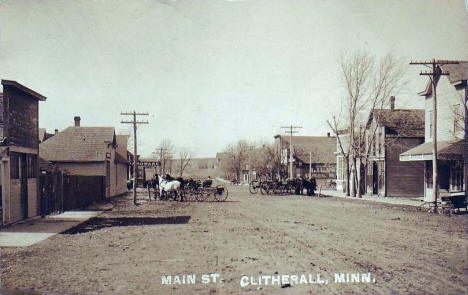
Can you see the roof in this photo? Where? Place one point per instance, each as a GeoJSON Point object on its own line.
{"type": "Point", "coordinates": [24, 89]}
{"type": "Point", "coordinates": [121, 150]}
{"type": "Point", "coordinates": [321, 148]}
{"type": "Point", "coordinates": [402, 123]}
{"type": "Point", "coordinates": [43, 135]}
{"type": "Point", "coordinates": [78, 144]}
{"type": "Point", "coordinates": [456, 73]}
{"type": "Point", "coordinates": [446, 150]}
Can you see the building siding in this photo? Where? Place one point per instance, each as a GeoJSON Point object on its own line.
{"type": "Point", "coordinates": [14, 209]}
{"type": "Point", "coordinates": [83, 168]}
{"type": "Point", "coordinates": [33, 208]}
{"type": "Point", "coordinates": [403, 179]}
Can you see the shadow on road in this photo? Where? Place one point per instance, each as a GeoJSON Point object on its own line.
{"type": "Point", "coordinates": [98, 223]}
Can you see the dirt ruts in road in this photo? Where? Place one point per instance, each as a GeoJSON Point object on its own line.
{"type": "Point", "coordinates": [408, 252]}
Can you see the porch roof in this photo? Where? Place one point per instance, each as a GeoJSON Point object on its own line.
{"type": "Point", "coordinates": [446, 150]}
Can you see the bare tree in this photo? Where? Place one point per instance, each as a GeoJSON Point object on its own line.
{"type": "Point", "coordinates": [368, 85]}
{"type": "Point", "coordinates": [164, 153]}
{"type": "Point", "coordinates": [185, 156]}
{"type": "Point", "coordinates": [237, 156]}
{"type": "Point", "coordinates": [264, 159]}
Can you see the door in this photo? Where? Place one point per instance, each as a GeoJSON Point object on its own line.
{"type": "Point", "coordinates": [375, 178]}
{"type": "Point", "coordinates": [444, 176]}
{"type": "Point", "coordinates": [24, 186]}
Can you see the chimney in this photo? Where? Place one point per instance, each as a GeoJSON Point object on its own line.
{"type": "Point", "coordinates": [392, 103]}
{"type": "Point", "coordinates": [77, 121]}
{"type": "Point", "coordinates": [56, 131]}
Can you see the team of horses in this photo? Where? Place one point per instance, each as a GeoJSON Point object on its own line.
{"type": "Point", "coordinates": [169, 186]}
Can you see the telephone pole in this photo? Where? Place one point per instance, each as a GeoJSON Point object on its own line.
{"type": "Point", "coordinates": [434, 74]}
{"type": "Point", "coordinates": [290, 132]}
{"type": "Point", "coordinates": [134, 122]}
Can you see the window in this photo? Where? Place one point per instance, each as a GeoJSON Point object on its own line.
{"type": "Point", "coordinates": [431, 122]}
{"type": "Point", "coordinates": [429, 174]}
{"type": "Point", "coordinates": [32, 166]}
{"type": "Point", "coordinates": [379, 149]}
{"type": "Point", "coordinates": [14, 166]}
{"type": "Point", "coordinates": [457, 118]}
{"type": "Point", "coordinates": [456, 176]}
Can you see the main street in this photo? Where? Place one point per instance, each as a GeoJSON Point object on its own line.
{"type": "Point", "coordinates": [128, 249]}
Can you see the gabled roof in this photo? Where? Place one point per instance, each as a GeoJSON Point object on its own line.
{"type": "Point", "coordinates": [24, 89]}
{"type": "Point", "coordinates": [402, 123]}
{"type": "Point", "coordinates": [78, 144]}
{"type": "Point", "coordinates": [322, 148]}
{"type": "Point", "coordinates": [43, 135]}
{"type": "Point", "coordinates": [457, 73]}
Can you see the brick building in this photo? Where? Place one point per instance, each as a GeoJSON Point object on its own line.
{"type": "Point", "coordinates": [19, 147]}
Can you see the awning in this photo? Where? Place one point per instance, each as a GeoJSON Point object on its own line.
{"type": "Point", "coordinates": [446, 150]}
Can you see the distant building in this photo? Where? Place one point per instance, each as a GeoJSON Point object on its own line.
{"type": "Point", "coordinates": [43, 135]}
{"type": "Point", "coordinates": [451, 133]}
{"type": "Point", "coordinates": [19, 148]}
{"type": "Point", "coordinates": [90, 151]}
{"type": "Point", "coordinates": [314, 154]}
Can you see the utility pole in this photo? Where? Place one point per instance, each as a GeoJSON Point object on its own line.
{"type": "Point", "coordinates": [434, 74]}
{"type": "Point", "coordinates": [310, 165]}
{"type": "Point", "coordinates": [290, 132]}
{"type": "Point", "coordinates": [134, 122]}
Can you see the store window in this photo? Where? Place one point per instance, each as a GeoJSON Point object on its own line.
{"type": "Point", "coordinates": [14, 166]}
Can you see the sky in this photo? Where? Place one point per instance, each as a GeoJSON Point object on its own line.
{"type": "Point", "coordinates": [211, 72]}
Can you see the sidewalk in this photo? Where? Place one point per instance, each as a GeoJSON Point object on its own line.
{"type": "Point", "coordinates": [417, 202]}
{"type": "Point", "coordinates": [31, 231]}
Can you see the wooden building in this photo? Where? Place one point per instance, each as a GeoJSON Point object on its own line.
{"type": "Point", "coordinates": [19, 148]}
{"type": "Point", "coordinates": [389, 132]}
{"type": "Point", "coordinates": [90, 151]}
{"type": "Point", "coordinates": [451, 133]}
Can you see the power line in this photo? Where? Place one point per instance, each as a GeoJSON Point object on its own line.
{"type": "Point", "coordinates": [291, 131]}
{"type": "Point", "coordinates": [435, 72]}
{"type": "Point", "coordinates": [134, 122]}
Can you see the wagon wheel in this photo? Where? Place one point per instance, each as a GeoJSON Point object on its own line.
{"type": "Point", "coordinates": [201, 195]}
{"type": "Point", "coordinates": [277, 189]}
{"type": "Point", "coordinates": [253, 188]}
{"type": "Point", "coordinates": [221, 193]}
{"type": "Point", "coordinates": [264, 189]}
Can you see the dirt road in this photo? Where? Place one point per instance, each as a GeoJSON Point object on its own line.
{"type": "Point", "coordinates": [128, 249]}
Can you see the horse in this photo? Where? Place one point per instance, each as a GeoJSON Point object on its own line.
{"type": "Point", "coordinates": [310, 185]}
{"type": "Point", "coordinates": [166, 187]}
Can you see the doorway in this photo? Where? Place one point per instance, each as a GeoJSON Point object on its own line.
{"type": "Point", "coordinates": [24, 186]}
{"type": "Point", "coordinates": [375, 178]}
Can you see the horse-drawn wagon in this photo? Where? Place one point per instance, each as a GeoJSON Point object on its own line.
{"type": "Point", "coordinates": [284, 187]}
{"type": "Point", "coordinates": [202, 191]}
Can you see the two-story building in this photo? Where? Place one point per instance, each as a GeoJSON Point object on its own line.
{"type": "Point", "coordinates": [451, 132]}
{"type": "Point", "coordinates": [19, 148]}
{"type": "Point", "coordinates": [389, 132]}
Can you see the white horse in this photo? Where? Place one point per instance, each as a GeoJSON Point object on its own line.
{"type": "Point", "coordinates": [166, 187]}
